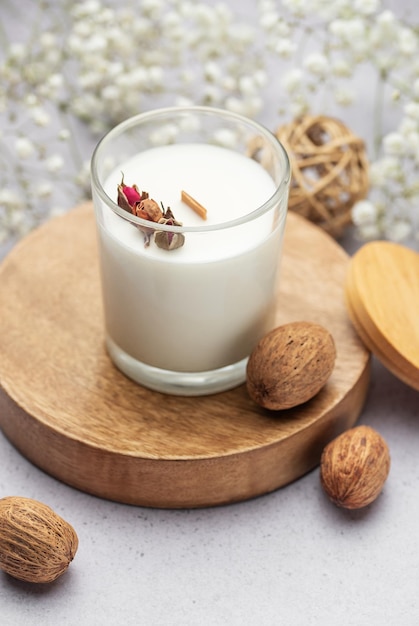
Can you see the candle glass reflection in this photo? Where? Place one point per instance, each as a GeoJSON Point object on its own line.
{"type": "Point", "coordinates": [187, 298]}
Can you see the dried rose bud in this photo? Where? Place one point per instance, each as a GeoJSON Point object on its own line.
{"type": "Point", "coordinates": [128, 197]}
{"type": "Point", "coordinates": [148, 210]}
{"type": "Point", "coordinates": [132, 194]}
{"type": "Point", "coordinates": [167, 240]}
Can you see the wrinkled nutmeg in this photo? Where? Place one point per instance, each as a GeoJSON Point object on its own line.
{"type": "Point", "coordinates": [354, 467]}
{"type": "Point", "coordinates": [36, 544]}
{"type": "Point", "coordinates": [290, 365]}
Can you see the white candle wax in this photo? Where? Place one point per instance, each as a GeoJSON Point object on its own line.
{"type": "Point", "coordinates": [202, 306]}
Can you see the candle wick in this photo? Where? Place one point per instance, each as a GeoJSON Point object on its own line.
{"type": "Point", "coordinates": [194, 205]}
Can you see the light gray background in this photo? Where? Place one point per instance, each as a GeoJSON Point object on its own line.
{"type": "Point", "coordinates": [287, 558]}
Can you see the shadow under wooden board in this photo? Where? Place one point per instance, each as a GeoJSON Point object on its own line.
{"type": "Point", "coordinates": [68, 410]}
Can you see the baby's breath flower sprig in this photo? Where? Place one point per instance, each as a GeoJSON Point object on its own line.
{"type": "Point", "coordinates": [323, 48]}
{"type": "Point", "coordinates": [74, 69]}
{"type": "Point", "coordinates": [95, 63]}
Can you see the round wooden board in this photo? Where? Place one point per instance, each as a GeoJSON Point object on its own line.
{"type": "Point", "coordinates": [72, 413]}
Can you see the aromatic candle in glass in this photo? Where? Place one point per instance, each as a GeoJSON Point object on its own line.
{"type": "Point", "coordinates": [189, 291]}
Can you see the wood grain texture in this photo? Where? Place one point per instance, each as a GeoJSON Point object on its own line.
{"type": "Point", "coordinates": [72, 413]}
{"type": "Point", "coordinates": [382, 294]}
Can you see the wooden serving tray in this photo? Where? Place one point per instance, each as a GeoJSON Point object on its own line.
{"type": "Point", "coordinates": [72, 413]}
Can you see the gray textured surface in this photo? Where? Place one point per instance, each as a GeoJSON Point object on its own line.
{"type": "Point", "coordinates": [288, 558]}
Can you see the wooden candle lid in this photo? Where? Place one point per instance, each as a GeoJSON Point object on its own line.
{"type": "Point", "coordinates": [72, 413]}
{"type": "Point", "coordinates": [382, 295]}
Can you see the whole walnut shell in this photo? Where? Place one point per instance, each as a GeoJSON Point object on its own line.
{"type": "Point", "coordinates": [290, 365]}
{"type": "Point", "coordinates": [354, 467]}
{"type": "Point", "coordinates": [36, 544]}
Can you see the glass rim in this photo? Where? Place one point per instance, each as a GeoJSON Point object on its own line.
{"type": "Point", "coordinates": [211, 111]}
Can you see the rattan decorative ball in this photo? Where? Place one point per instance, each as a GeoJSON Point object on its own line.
{"type": "Point", "coordinates": [329, 170]}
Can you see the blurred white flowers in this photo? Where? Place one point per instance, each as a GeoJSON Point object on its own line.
{"type": "Point", "coordinates": [337, 41]}
{"type": "Point", "coordinates": [80, 67]}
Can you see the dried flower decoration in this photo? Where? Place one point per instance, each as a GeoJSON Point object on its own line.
{"type": "Point", "coordinates": [129, 196]}
{"type": "Point", "coordinates": [138, 203]}
{"type": "Point", "coordinates": [166, 239]}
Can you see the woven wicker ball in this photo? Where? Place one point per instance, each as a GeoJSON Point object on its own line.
{"type": "Point", "coordinates": [329, 170]}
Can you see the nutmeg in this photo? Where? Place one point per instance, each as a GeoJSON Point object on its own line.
{"type": "Point", "coordinates": [354, 467]}
{"type": "Point", "coordinates": [36, 544]}
{"type": "Point", "coordinates": [290, 365]}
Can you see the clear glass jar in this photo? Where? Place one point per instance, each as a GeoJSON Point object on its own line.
{"type": "Point", "coordinates": [184, 320]}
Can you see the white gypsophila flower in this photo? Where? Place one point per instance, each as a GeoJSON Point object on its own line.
{"type": "Point", "coordinates": [212, 71]}
{"type": "Point", "coordinates": [84, 9]}
{"type": "Point", "coordinates": [387, 19]}
{"type": "Point", "coordinates": [54, 163]}
{"type": "Point", "coordinates": [111, 92]}
{"type": "Point", "coordinates": [114, 61]}
{"type": "Point", "coordinates": [398, 230]}
{"type": "Point", "coordinates": [83, 176]}
{"type": "Point", "coordinates": [337, 28]}
{"type": "Point", "coordinates": [371, 231]}
{"type": "Point", "coordinates": [16, 52]}
{"type": "Point", "coordinates": [297, 7]}
{"type": "Point", "coordinates": [64, 134]}
{"type": "Point", "coordinates": [366, 7]}
{"type": "Point", "coordinates": [236, 105]}
{"type": "Point", "coordinates": [351, 35]}
{"type": "Point", "coordinates": [55, 81]}
{"type": "Point", "coordinates": [226, 138]}
{"type": "Point", "coordinates": [43, 189]}
{"type": "Point", "coordinates": [293, 80]}
{"type": "Point", "coordinates": [212, 94]}
{"type": "Point", "coordinates": [228, 83]}
{"type": "Point", "coordinates": [394, 144]}
{"type": "Point", "coordinates": [16, 219]}
{"type": "Point", "coordinates": [10, 198]}
{"type": "Point", "coordinates": [412, 145]}
{"type": "Point", "coordinates": [364, 212]}
{"type": "Point", "coordinates": [248, 86]}
{"type": "Point", "coordinates": [24, 147]}
{"type": "Point", "coordinates": [377, 174]}
{"type": "Point", "coordinates": [30, 100]}
{"type": "Point", "coordinates": [40, 116]}
{"type": "Point", "coordinates": [268, 19]}
{"type": "Point", "coordinates": [299, 107]}
{"type": "Point", "coordinates": [411, 110]}
{"type": "Point", "coordinates": [407, 42]}
{"type": "Point", "coordinates": [284, 47]}
{"type": "Point", "coordinates": [344, 96]}
{"type": "Point", "coordinates": [389, 168]}
{"type": "Point", "coordinates": [190, 123]}
{"type": "Point", "coordinates": [253, 106]}
{"type": "Point", "coordinates": [164, 135]}
{"type": "Point", "coordinates": [267, 5]}
{"type": "Point", "coordinates": [317, 64]}
{"type": "Point", "coordinates": [407, 126]}
{"type": "Point", "coordinates": [327, 10]}
{"type": "Point", "coordinates": [183, 101]}
{"type": "Point", "coordinates": [48, 40]}
{"type": "Point", "coordinates": [341, 68]}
